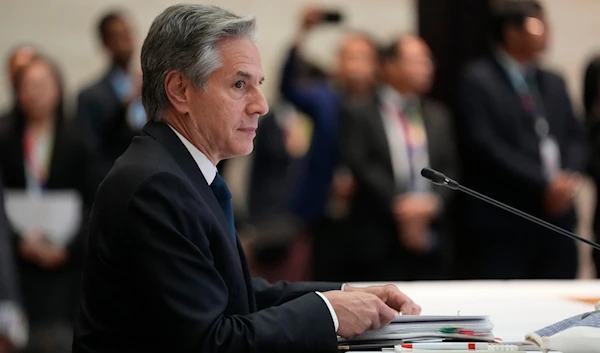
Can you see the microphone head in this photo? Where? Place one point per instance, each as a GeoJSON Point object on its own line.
{"type": "Point", "coordinates": [428, 173]}
{"type": "Point", "coordinates": [438, 178]}
{"type": "Point", "coordinates": [432, 175]}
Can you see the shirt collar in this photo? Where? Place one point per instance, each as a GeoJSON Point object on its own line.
{"type": "Point", "coordinates": [209, 170]}
{"type": "Point", "coordinates": [517, 72]}
{"type": "Point", "coordinates": [391, 96]}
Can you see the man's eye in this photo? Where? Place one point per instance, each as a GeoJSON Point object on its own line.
{"type": "Point", "coordinates": [239, 84]}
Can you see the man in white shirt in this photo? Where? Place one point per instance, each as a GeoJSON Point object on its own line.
{"type": "Point", "coordinates": [163, 258]}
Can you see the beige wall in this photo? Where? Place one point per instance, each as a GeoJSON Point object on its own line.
{"type": "Point", "coordinates": [574, 36]}
{"type": "Point", "coordinates": [66, 30]}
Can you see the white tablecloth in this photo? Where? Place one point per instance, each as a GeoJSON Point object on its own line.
{"type": "Point", "coordinates": [515, 307]}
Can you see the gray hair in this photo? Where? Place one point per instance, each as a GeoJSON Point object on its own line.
{"type": "Point", "coordinates": [183, 38]}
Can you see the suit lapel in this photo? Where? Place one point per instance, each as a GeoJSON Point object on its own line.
{"type": "Point", "coordinates": [163, 134]}
{"type": "Point", "coordinates": [521, 117]}
{"type": "Point", "coordinates": [381, 137]}
{"type": "Point", "coordinates": [14, 173]}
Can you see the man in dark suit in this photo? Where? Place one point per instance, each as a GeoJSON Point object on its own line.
{"type": "Point", "coordinates": [320, 96]}
{"type": "Point", "coordinates": [13, 332]}
{"type": "Point", "coordinates": [110, 109]}
{"type": "Point", "coordinates": [165, 271]}
{"type": "Point", "coordinates": [396, 223]}
{"type": "Point", "coordinates": [524, 147]}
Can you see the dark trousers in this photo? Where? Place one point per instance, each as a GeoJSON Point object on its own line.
{"type": "Point", "coordinates": [341, 254]}
{"type": "Point", "coordinates": [500, 245]}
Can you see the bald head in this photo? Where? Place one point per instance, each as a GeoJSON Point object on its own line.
{"type": "Point", "coordinates": [357, 63]}
{"type": "Point", "coordinates": [408, 66]}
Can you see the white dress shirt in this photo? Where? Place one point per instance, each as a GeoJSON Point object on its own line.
{"type": "Point", "coordinates": [397, 141]}
{"type": "Point", "coordinates": [209, 171]}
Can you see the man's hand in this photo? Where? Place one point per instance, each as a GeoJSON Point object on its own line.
{"type": "Point", "coordinates": [414, 213]}
{"type": "Point", "coordinates": [359, 311]}
{"type": "Point", "coordinates": [392, 296]}
{"type": "Point", "coordinates": [311, 17]}
{"type": "Point", "coordinates": [558, 198]}
{"type": "Point", "coordinates": [35, 248]}
{"type": "Point", "coordinates": [416, 207]}
{"type": "Point", "coordinates": [415, 236]}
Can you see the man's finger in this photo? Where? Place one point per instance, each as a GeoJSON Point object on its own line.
{"type": "Point", "coordinates": [407, 307]}
{"type": "Point", "coordinates": [386, 313]}
{"type": "Point", "coordinates": [398, 300]}
{"type": "Point", "coordinates": [416, 310]}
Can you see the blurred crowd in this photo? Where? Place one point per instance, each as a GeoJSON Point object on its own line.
{"type": "Point", "coordinates": [334, 190]}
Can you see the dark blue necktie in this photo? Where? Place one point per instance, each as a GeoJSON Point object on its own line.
{"type": "Point", "coordinates": [223, 195]}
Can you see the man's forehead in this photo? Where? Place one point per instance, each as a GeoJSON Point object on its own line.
{"type": "Point", "coordinates": [250, 75]}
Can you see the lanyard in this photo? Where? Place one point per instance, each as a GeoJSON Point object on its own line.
{"type": "Point", "coordinates": [37, 159]}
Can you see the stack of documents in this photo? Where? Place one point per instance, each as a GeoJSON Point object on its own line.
{"type": "Point", "coordinates": [417, 328]}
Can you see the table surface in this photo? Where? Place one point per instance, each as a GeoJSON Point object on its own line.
{"type": "Point", "coordinates": [516, 308]}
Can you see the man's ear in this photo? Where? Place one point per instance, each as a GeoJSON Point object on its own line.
{"type": "Point", "coordinates": [177, 87]}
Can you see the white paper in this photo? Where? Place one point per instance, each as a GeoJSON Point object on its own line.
{"type": "Point", "coordinates": [55, 213]}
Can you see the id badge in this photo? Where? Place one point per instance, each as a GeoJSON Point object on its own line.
{"type": "Point", "coordinates": [549, 149]}
{"type": "Point", "coordinates": [550, 153]}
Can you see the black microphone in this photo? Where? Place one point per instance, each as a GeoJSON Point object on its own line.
{"type": "Point", "coordinates": [441, 179]}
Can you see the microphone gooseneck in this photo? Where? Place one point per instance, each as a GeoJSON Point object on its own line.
{"type": "Point", "coordinates": [441, 179]}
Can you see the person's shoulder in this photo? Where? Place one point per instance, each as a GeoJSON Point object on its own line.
{"type": "Point", "coordinates": [551, 76]}
{"type": "Point", "coordinates": [433, 108]}
{"type": "Point", "coordinates": [353, 107]}
{"type": "Point", "coordinates": [93, 88]}
{"type": "Point", "coordinates": [144, 158]}
{"type": "Point", "coordinates": [479, 69]}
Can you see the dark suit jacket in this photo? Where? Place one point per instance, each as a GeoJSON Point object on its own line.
{"type": "Point", "coordinates": [593, 130]}
{"type": "Point", "coordinates": [373, 236]}
{"type": "Point", "coordinates": [103, 116]}
{"type": "Point", "coordinates": [500, 145]}
{"type": "Point", "coordinates": [320, 101]}
{"type": "Point", "coordinates": [163, 274]}
{"type": "Point", "coordinates": [8, 274]}
{"type": "Point", "coordinates": [50, 294]}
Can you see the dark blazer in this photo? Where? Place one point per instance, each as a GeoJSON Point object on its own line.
{"type": "Point", "coordinates": [51, 294]}
{"type": "Point", "coordinates": [593, 126]}
{"type": "Point", "coordinates": [163, 274]}
{"type": "Point", "coordinates": [373, 235]}
{"type": "Point", "coordinates": [320, 101]}
{"type": "Point", "coordinates": [8, 275]}
{"type": "Point", "coordinates": [103, 116]}
{"type": "Point", "coordinates": [499, 138]}
{"type": "Point", "coordinates": [502, 160]}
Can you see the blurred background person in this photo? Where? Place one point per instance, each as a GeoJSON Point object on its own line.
{"type": "Point", "coordinates": [318, 95]}
{"type": "Point", "coordinates": [591, 105]}
{"type": "Point", "coordinates": [523, 146]}
{"type": "Point", "coordinates": [17, 59]}
{"type": "Point", "coordinates": [276, 249]}
{"type": "Point", "coordinates": [395, 226]}
{"type": "Point", "coordinates": [281, 141]}
{"type": "Point", "coordinates": [39, 152]}
{"type": "Point", "coordinates": [13, 327]}
{"type": "Point", "coordinates": [111, 109]}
